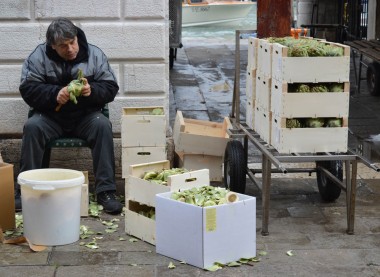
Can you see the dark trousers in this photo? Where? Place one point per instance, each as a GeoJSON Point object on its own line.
{"type": "Point", "coordinates": [95, 128]}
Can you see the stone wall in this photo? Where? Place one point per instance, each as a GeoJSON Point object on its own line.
{"type": "Point", "coordinates": [133, 34]}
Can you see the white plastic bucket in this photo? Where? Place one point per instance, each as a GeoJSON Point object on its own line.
{"type": "Point", "coordinates": [51, 200]}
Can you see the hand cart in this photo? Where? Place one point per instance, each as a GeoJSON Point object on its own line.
{"type": "Point", "coordinates": [329, 166]}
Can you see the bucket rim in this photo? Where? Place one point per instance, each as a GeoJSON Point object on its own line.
{"type": "Point", "coordinates": [75, 181]}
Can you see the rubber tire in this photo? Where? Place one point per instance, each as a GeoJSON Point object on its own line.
{"type": "Point", "coordinates": [235, 166]}
{"type": "Point", "coordinates": [373, 78]}
{"type": "Point", "coordinates": [328, 190]}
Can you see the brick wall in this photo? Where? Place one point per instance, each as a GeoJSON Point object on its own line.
{"type": "Point", "coordinates": [133, 34]}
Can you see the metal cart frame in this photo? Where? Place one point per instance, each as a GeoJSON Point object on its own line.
{"type": "Point", "coordinates": [271, 157]}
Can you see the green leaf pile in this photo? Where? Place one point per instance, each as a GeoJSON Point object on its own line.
{"type": "Point", "coordinates": [161, 177]}
{"type": "Point", "coordinates": [202, 196]}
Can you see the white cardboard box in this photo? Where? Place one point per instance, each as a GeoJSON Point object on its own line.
{"type": "Point", "coordinates": [202, 236]}
{"type": "Point", "coordinates": [199, 136]}
{"type": "Point", "coordinates": [144, 192]}
{"type": "Point", "coordinates": [140, 128]}
{"type": "Point", "coordinates": [139, 155]}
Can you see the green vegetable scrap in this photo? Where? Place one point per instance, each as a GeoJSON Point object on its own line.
{"type": "Point", "coordinates": [334, 122]}
{"type": "Point", "coordinates": [202, 196]}
{"type": "Point", "coordinates": [150, 213]}
{"type": "Point", "coordinates": [157, 111]}
{"type": "Point", "coordinates": [75, 87]}
{"type": "Point", "coordinates": [161, 177]}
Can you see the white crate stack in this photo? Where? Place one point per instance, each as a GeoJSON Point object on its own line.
{"type": "Point", "coordinates": [143, 137]}
{"type": "Point", "coordinates": [141, 195]}
{"type": "Point", "coordinates": [201, 144]}
{"type": "Point", "coordinates": [274, 102]}
{"type": "Point", "coordinates": [317, 70]}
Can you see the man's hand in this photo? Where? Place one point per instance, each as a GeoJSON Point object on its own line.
{"type": "Point", "coordinates": [86, 90]}
{"type": "Point", "coordinates": [63, 96]}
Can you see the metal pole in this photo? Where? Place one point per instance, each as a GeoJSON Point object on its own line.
{"type": "Point", "coordinates": [266, 165]}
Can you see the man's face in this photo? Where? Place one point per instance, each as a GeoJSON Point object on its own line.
{"type": "Point", "coordinates": [67, 49]}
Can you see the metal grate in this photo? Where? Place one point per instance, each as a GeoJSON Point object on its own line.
{"type": "Point", "coordinates": [175, 23]}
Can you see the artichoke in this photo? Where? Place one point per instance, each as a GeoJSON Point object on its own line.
{"type": "Point", "coordinates": [293, 123]}
{"type": "Point", "coordinates": [303, 88]}
{"type": "Point", "coordinates": [319, 88]}
{"type": "Point", "coordinates": [337, 87]}
{"type": "Point", "coordinates": [333, 51]}
{"type": "Point", "coordinates": [314, 122]}
{"type": "Point", "coordinates": [334, 122]}
{"type": "Point", "coordinates": [75, 87]}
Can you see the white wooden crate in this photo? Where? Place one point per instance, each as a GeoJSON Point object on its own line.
{"type": "Point", "coordinates": [250, 114]}
{"type": "Point", "coordinates": [308, 140]}
{"type": "Point", "coordinates": [263, 122]}
{"type": "Point", "coordinates": [252, 52]}
{"type": "Point", "coordinates": [250, 85]}
{"type": "Point", "coordinates": [140, 128]}
{"type": "Point", "coordinates": [144, 191]}
{"type": "Point", "coordinates": [263, 91]}
{"type": "Point", "coordinates": [139, 155]}
{"type": "Point", "coordinates": [326, 104]}
{"type": "Point", "coordinates": [264, 58]}
{"type": "Point", "coordinates": [310, 69]}
{"type": "Point", "coordinates": [200, 137]}
{"type": "Point", "coordinates": [199, 161]}
{"type": "Point", "coordinates": [138, 225]}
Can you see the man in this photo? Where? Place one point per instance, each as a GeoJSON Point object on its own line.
{"type": "Point", "coordinates": [45, 76]}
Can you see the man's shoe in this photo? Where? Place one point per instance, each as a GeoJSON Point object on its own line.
{"type": "Point", "coordinates": [18, 206]}
{"type": "Point", "coordinates": [109, 202]}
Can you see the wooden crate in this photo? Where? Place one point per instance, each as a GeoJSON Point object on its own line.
{"type": "Point", "coordinates": [310, 69]}
{"type": "Point", "coordinates": [308, 140]}
{"type": "Point", "coordinates": [84, 202]}
{"type": "Point", "coordinates": [199, 161]}
{"type": "Point", "coordinates": [200, 137]}
{"type": "Point", "coordinates": [263, 122]}
{"type": "Point", "coordinates": [264, 58]}
{"type": "Point", "coordinates": [140, 128]}
{"type": "Point", "coordinates": [250, 114]}
{"type": "Point", "coordinates": [326, 104]}
{"type": "Point", "coordinates": [263, 91]}
{"type": "Point", "coordinates": [138, 225]}
{"type": "Point", "coordinates": [143, 191]}
{"type": "Point", "coordinates": [139, 155]}
{"type": "Point", "coordinates": [250, 84]}
{"type": "Point", "coordinates": [252, 52]}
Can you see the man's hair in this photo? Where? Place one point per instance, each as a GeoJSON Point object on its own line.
{"type": "Point", "coordinates": [59, 30]}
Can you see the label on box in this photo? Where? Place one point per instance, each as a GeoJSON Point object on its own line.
{"type": "Point", "coordinates": [211, 220]}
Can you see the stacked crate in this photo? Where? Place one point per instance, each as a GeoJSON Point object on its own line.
{"type": "Point", "coordinates": [143, 136]}
{"type": "Point", "coordinates": [284, 105]}
{"type": "Point", "coordinates": [141, 196]}
{"type": "Point", "coordinates": [250, 88]}
{"type": "Point", "coordinates": [201, 144]}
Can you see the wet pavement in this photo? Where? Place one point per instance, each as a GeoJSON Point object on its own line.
{"type": "Point", "coordinates": [201, 87]}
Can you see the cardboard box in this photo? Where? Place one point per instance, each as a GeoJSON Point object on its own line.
{"type": "Point", "coordinates": [138, 225]}
{"type": "Point", "coordinates": [295, 104]}
{"type": "Point", "coordinates": [200, 137]}
{"type": "Point", "coordinates": [144, 191]}
{"type": "Point", "coordinates": [310, 69]}
{"type": "Point", "coordinates": [140, 128]}
{"type": "Point", "coordinates": [202, 236]}
{"type": "Point", "coordinates": [308, 140]}
{"type": "Point", "coordinates": [7, 197]}
{"type": "Point", "coordinates": [197, 161]}
{"type": "Point", "coordinates": [139, 155]}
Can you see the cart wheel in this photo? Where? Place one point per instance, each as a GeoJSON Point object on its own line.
{"type": "Point", "coordinates": [235, 167]}
{"type": "Point", "coordinates": [373, 78]}
{"type": "Point", "coordinates": [328, 190]}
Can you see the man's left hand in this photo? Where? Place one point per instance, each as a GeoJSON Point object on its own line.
{"type": "Point", "coordinates": [86, 90]}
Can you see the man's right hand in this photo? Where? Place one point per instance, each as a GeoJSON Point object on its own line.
{"type": "Point", "coordinates": [63, 96]}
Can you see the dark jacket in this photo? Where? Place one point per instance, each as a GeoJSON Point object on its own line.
{"type": "Point", "coordinates": [45, 73]}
